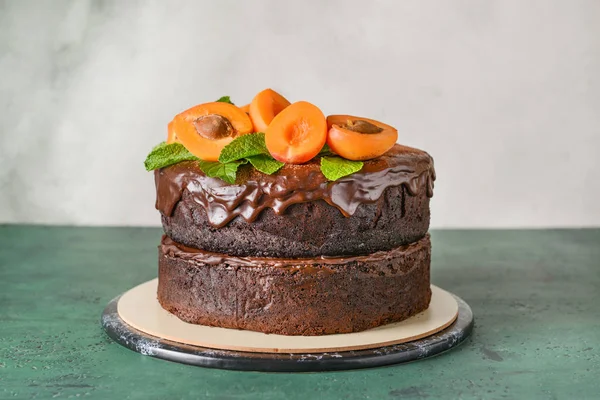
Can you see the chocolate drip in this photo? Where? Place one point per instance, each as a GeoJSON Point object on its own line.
{"type": "Point", "coordinates": [293, 184]}
{"type": "Point", "coordinates": [174, 249]}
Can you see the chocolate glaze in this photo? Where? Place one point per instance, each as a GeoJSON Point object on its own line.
{"type": "Point", "coordinates": [254, 191]}
{"type": "Point", "coordinates": [174, 249]}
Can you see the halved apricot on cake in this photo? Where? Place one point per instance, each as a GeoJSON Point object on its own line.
{"type": "Point", "coordinates": [358, 138]}
{"type": "Point", "coordinates": [206, 128]}
{"type": "Point", "coordinates": [264, 107]}
{"type": "Point", "coordinates": [297, 133]}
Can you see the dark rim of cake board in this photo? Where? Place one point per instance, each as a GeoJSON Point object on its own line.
{"type": "Point", "coordinates": [156, 347]}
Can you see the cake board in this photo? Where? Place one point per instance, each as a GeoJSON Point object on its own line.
{"type": "Point", "coordinates": [136, 321]}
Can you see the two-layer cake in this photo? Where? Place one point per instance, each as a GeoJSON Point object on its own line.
{"type": "Point", "coordinates": [279, 241]}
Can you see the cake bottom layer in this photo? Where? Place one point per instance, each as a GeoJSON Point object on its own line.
{"type": "Point", "coordinates": [316, 296]}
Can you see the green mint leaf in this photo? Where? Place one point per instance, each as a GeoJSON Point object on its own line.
{"type": "Point", "coordinates": [243, 146]}
{"type": "Point", "coordinates": [225, 99]}
{"type": "Point", "coordinates": [336, 167]}
{"type": "Point", "coordinates": [165, 154]}
{"type": "Point", "coordinates": [265, 163]}
{"type": "Point", "coordinates": [325, 151]}
{"type": "Point", "coordinates": [225, 171]}
{"type": "Point", "coordinates": [252, 148]}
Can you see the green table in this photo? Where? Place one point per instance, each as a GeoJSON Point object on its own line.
{"type": "Point", "coordinates": [535, 295]}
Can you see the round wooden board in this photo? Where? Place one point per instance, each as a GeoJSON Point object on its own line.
{"type": "Point", "coordinates": [140, 309]}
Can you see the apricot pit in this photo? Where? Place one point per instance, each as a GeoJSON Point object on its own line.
{"type": "Point", "coordinates": [213, 127]}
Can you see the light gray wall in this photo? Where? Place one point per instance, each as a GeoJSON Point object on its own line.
{"type": "Point", "coordinates": [504, 94]}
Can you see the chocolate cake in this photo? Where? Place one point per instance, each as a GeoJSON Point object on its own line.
{"type": "Point", "coordinates": [294, 254]}
{"type": "Point", "coordinates": [278, 233]}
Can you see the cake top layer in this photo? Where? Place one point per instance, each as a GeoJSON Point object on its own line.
{"type": "Point", "coordinates": [272, 153]}
{"type": "Point", "coordinates": [254, 191]}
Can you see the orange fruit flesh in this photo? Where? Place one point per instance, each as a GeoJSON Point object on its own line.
{"type": "Point", "coordinates": [297, 134]}
{"type": "Point", "coordinates": [356, 145]}
{"type": "Point", "coordinates": [264, 107]}
{"type": "Point", "coordinates": [184, 130]}
{"type": "Point", "coordinates": [171, 135]}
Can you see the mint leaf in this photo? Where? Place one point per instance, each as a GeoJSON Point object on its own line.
{"type": "Point", "coordinates": [251, 147]}
{"type": "Point", "coordinates": [265, 163]}
{"type": "Point", "coordinates": [243, 146]}
{"type": "Point", "coordinates": [225, 171]}
{"type": "Point", "coordinates": [225, 99]}
{"type": "Point", "coordinates": [165, 154]}
{"type": "Point", "coordinates": [326, 150]}
{"type": "Point", "coordinates": [336, 167]}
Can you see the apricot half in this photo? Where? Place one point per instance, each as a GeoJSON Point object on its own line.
{"type": "Point", "coordinates": [264, 107]}
{"type": "Point", "coordinates": [245, 108]}
{"type": "Point", "coordinates": [297, 133]}
{"type": "Point", "coordinates": [206, 128]}
{"type": "Point", "coordinates": [358, 138]}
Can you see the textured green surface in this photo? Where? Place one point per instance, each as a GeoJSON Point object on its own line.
{"type": "Point", "coordinates": [535, 295]}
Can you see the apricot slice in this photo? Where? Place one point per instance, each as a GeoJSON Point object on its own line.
{"type": "Point", "coordinates": [206, 128]}
{"type": "Point", "coordinates": [297, 133]}
{"type": "Point", "coordinates": [171, 135]}
{"type": "Point", "coordinates": [358, 138]}
{"type": "Point", "coordinates": [264, 107]}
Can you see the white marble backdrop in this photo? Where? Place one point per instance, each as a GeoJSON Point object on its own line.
{"type": "Point", "coordinates": [505, 94]}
